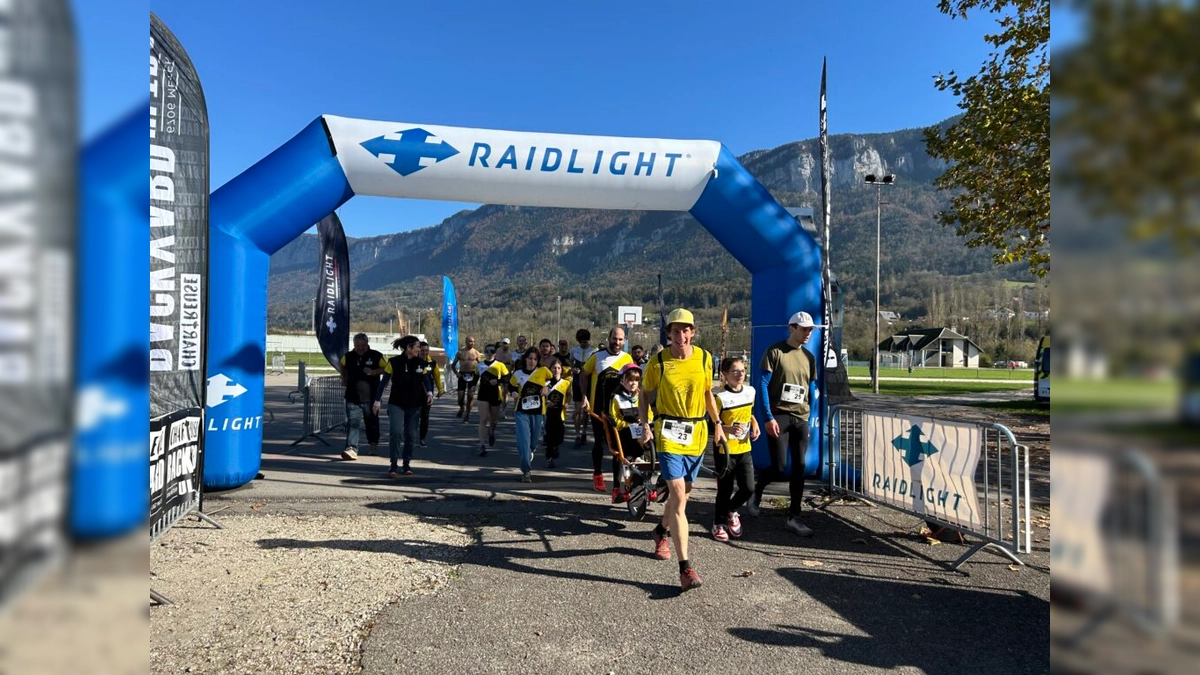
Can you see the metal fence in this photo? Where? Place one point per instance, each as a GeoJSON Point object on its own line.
{"type": "Point", "coordinates": [1000, 480]}
{"type": "Point", "coordinates": [278, 365]}
{"type": "Point", "coordinates": [324, 404]}
{"type": "Point", "coordinates": [1116, 538]}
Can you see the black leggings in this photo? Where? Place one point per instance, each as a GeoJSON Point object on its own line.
{"type": "Point", "coordinates": [599, 445]}
{"type": "Point", "coordinates": [741, 471]}
{"type": "Point", "coordinates": [555, 432]}
{"type": "Point", "coordinates": [792, 442]}
{"type": "Point", "coordinates": [425, 420]}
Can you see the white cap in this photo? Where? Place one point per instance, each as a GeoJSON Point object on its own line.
{"type": "Point", "coordinates": [804, 320]}
{"type": "Point", "coordinates": [505, 341]}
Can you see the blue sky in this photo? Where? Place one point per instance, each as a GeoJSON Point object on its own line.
{"type": "Point", "coordinates": [746, 74]}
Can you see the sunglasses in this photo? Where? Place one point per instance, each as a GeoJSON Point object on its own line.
{"type": "Point", "coordinates": [737, 372]}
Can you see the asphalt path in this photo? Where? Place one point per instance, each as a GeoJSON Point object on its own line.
{"type": "Point", "coordinates": [558, 580]}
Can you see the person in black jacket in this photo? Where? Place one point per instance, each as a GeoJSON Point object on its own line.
{"type": "Point", "coordinates": [360, 371]}
{"type": "Point", "coordinates": [411, 390]}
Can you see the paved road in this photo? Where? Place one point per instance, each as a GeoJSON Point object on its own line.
{"type": "Point", "coordinates": [558, 580]}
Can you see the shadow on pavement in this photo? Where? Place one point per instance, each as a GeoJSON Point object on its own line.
{"type": "Point", "coordinates": [938, 630]}
{"type": "Point", "coordinates": [544, 534]}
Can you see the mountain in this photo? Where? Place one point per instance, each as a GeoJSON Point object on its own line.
{"type": "Point", "coordinates": [510, 264]}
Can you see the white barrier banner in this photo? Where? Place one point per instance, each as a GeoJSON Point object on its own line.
{"type": "Point", "coordinates": [1080, 485]}
{"type": "Point", "coordinates": [429, 161]}
{"type": "Point", "coordinates": [923, 465]}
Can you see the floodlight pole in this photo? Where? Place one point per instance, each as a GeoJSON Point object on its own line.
{"type": "Point", "coordinates": [889, 179]}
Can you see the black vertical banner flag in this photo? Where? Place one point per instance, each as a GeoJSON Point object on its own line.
{"type": "Point", "coordinates": [331, 311]}
{"type": "Point", "coordinates": [178, 226]}
{"type": "Point", "coordinates": [835, 385]}
{"type": "Point", "coordinates": [38, 199]}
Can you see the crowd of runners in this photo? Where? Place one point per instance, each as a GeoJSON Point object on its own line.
{"type": "Point", "coordinates": [639, 406]}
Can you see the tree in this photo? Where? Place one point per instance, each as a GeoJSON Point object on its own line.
{"type": "Point", "coordinates": [1128, 97]}
{"type": "Point", "coordinates": [999, 149]}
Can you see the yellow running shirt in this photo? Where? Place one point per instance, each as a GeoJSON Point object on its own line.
{"type": "Point", "coordinates": [680, 385]}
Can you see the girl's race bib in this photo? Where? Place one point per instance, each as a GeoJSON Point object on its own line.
{"type": "Point", "coordinates": [531, 403]}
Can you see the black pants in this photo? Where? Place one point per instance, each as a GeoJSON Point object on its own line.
{"type": "Point", "coordinates": [556, 431]}
{"type": "Point", "coordinates": [372, 423]}
{"type": "Point", "coordinates": [632, 451]}
{"type": "Point", "coordinates": [741, 471]}
{"type": "Point", "coordinates": [425, 420]}
{"type": "Point", "coordinates": [599, 445]}
{"type": "Point", "coordinates": [792, 442]}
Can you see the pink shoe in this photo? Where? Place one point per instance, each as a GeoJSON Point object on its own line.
{"type": "Point", "coordinates": [719, 533]}
{"type": "Point", "coordinates": [734, 524]}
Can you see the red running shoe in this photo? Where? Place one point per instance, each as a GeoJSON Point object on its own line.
{"type": "Point", "coordinates": [688, 580]}
{"type": "Point", "coordinates": [598, 483]}
{"type": "Point", "coordinates": [662, 547]}
{"type": "Point", "coordinates": [619, 497]}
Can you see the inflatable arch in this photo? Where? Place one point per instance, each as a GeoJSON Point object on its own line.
{"type": "Point", "coordinates": [335, 158]}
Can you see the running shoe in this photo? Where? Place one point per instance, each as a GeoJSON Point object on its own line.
{"type": "Point", "coordinates": [720, 533]}
{"type": "Point", "coordinates": [406, 471]}
{"type": "Point", "coordinates": [526, 477]}
{"type": "Point", "coordinates": [794, 525]}
{"type": "Point", "coordinates": [350, 454]}
{"type": "Point", "coordinates": [459, 413]}
{"type": "Point", "coordinates": [662, 547]}
{"type": "Point", "coordinates": [394, 473]}
{"type": "Point", "coordinates": [619, 496]}
{"type": "Point", "coordinates": [734, 524]}
{"type": "Point", "coordinates": [482, 450]}
{"type": "Point", "coordinates": [422, 443]}
{"type": "Point", "coordinates": [598, 483]}
{"type": "Point", "coordinates": [549, 464]}
{"type": "Point", "coordinates": [689, 579]}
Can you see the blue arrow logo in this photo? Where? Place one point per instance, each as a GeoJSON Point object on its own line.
{"type": "Point", "coordinates": [405, 154]}
{"type": "Point", "coordinates": [915, 450]}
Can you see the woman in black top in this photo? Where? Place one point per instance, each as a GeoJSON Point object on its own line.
{"type": "Point", "coordinates": [411, 390]}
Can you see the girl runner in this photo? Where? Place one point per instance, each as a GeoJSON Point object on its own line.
{"type": "Point", "coordinates": [735, 403]}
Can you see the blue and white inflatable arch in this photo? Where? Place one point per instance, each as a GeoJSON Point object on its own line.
{"type": "Point", "coordinates": [335, 158]}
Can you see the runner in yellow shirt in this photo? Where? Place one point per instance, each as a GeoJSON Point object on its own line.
{"type": "Point", "coordinates": [735, 403]}
{"type": "Point", "coordinates": [678, 384]}
{"type": "Point", "coordinates": [601, 379]}
{"type": "Point", "coordinates": [529, 384]}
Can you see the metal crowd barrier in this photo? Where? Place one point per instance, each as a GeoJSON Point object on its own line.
{"type": "Point", "coordinates": [1116, 539]}
{"type": "Point", "coordinates": [1001, 482]}
{"type": "Point", "coordinates": [324, 404]}
{"type": "Point", "coordinates": [278, 365]}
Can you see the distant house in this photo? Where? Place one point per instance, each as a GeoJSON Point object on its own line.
{"type": "Point", "coordinates": [889, 317]}
{"type": "Point", "coordinates": [934, 348]}
{"type": "Point", "coordinates": [1002, 313]}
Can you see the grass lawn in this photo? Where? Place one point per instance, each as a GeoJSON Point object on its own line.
{"type": "Point", "coordinates": [1101, 395]}
{"type": "Point", "coordinates": [1170, 434]}
{"type": "Point", "coordinates": [1020, 375]}
{"type": "Point", "coordinates": [1029, 407]}
{"type": "Point", "coordinates": [900, 388]}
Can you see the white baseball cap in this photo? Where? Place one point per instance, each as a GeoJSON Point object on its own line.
{"type": "Point", "coordinates": [804, 320]}
{"type": "Point", "coordinates": [505, 341]}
